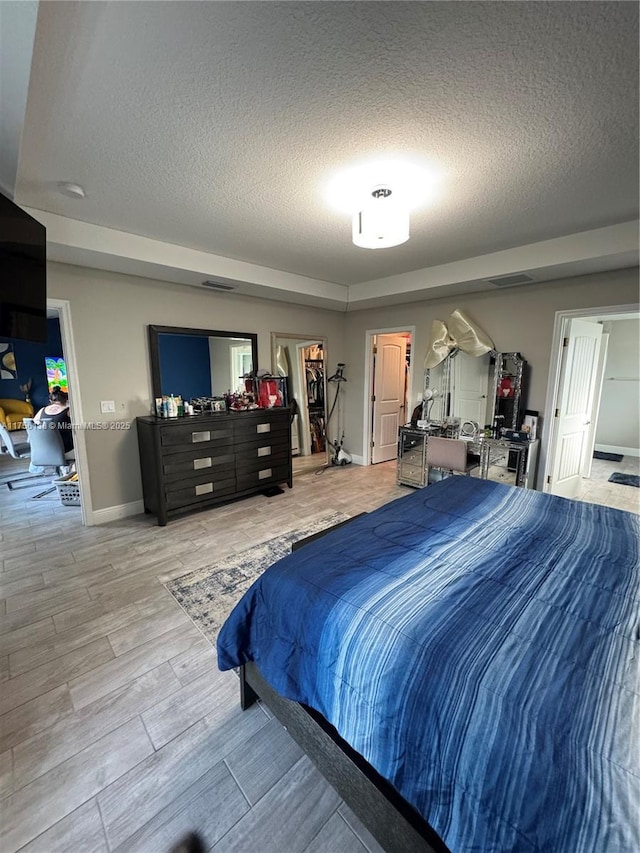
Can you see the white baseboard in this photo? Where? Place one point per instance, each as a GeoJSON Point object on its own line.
{"type": "Point", "coordinates": [612, 448]}
{"type": "Point", "coordinates": [113, 513]}
{"type": "Point", "coordinates": [358, 460]}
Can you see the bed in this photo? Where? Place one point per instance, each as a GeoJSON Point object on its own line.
{"type": "Point", "coordinates": [475, 647]}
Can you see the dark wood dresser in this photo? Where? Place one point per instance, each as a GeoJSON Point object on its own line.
{"type": "Point", "coordinates": [201, 460]}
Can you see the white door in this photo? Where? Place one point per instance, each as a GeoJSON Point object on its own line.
{"type": "Point", "coordinates": [590, 443]}
{"type": "Point", "coordinates": [578, 376]}
{"type": "Point", "coordinates": [471, 387]}
{"type": "Point", "coordinates": [388, 396]}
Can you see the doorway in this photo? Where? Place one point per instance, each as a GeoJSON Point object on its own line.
{"type": "Point", "coordinates": [302, 361]}
{"type": "Point", "coordinates": [594, 388]}
{"type": "Point", "coordinates": [387, 390]}
{"type": "Point", "coordinates": [39, 366]}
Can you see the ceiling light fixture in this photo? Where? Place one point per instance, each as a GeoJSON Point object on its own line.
{"type": "Point", "coordinates": [71, 189]}
{"type": "Point", "coordinates": [382, 222]}
{"type": "Point", "coordinates": [379, 195]}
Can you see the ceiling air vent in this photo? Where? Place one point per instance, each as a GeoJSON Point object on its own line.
{"type": "Point", "coordinates": [510, 280]}
{"type": "Point", "coordinates": [214, 284]}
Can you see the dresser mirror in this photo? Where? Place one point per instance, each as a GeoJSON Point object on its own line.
{"type": "Point", "coordinates": [477, 390]}
{"type": "Point", "coordinates": [194, 363]}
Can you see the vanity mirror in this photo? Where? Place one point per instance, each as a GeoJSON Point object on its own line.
{"type": "Point", "coordinates": [485, 390]}
{"type": "Point", "coordinates": [509, 389]}
{"type": "Point", "coordinates": [199, 362]}
{"type": "Point", "coordinates": [465, 389]}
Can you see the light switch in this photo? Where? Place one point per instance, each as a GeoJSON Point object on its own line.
{"type": "Point", "coordinates": [107, 406]}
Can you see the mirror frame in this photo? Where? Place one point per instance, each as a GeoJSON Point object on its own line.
{"type": "Point", "coordinates": [154, 352]}
{"type": "Point", "coordinates": [520, 365]}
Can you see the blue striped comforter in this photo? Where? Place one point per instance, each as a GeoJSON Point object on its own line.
{"type": "Point", "coordinates": [479, 645]}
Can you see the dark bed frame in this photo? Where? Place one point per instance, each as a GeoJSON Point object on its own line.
{"type": "Point", "coordinates": [393, 822]}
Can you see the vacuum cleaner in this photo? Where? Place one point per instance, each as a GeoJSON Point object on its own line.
{"type": "Point", "coordinates": [340, 455]}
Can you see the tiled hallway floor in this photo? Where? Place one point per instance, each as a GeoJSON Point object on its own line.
{"type": "Point", "coordinates": [598, 490]}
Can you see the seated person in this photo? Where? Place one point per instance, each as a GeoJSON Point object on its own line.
{"type": "Point", "coordinates": [57, 411]}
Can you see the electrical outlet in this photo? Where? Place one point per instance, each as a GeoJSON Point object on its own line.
{"type": "Point", "coordinates": [107, 406]}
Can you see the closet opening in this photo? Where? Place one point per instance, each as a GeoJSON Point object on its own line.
{"type": "Point", "coordinates": [302, 362]}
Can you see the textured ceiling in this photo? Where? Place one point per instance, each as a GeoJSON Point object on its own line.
{"type": "Point", "coordinates": [217, 125]}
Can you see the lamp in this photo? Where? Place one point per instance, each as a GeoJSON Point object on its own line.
{"type": "Point", "coordinates": [382, 222]}
{"type": "Point", "coordinates": [428, 396]}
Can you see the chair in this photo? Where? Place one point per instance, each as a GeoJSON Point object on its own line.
{"type": "Point", "coordinates": [47, 451]}
{"type": "Point", "coordinates": [450, 454]}
{"type": "Point", "coordinates": [15, 449]}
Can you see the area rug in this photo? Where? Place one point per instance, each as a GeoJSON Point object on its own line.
{"type": "Point", "coordinates": [625, 479]}
{"type": "Point", "coordinates": [209, 594]}
{"type": "Point", "coordinates": [610, 457]}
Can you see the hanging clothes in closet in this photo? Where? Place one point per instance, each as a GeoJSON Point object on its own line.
{"type": "Point", "coordinates": [314, 378]}
{"type": "Point", "coordinates": [314, 374]}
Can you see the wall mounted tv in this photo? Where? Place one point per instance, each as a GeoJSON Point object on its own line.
{"type": "Point", "coordinates": [23, 274]}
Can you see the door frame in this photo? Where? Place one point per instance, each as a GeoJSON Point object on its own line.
{"type": "Point", "coordinates": [560, 327]}
{"type": "Point", "coordinates": [63, 307]}
{"type": "Point", "coordinates": [306, 341]}
{"type": "Point", "coordinates": [368, 382]}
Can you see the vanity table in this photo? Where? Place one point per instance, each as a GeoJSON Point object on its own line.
{"type": "Point", "coordinates": [511, 462]}
{"type": "Point", "coordinates": [469, 392]}
{"type": "Point", "coordinates": [198, 461]}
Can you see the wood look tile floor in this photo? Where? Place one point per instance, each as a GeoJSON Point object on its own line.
{"type": "Point", "coordinates": [598, 490]}
{"type": "Point", "coordinates": [117, 731]}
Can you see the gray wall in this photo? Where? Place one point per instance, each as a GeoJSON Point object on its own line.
{"type": "Point", "coordinates": [110, 314]}
{"type": "Point", "coordinates": [618, 420]}
{"type": "Point", "coordinates": [517, 319]}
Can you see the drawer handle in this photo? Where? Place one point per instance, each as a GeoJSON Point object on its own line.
{"type": "Point", "coordinates": [264, 475]}
{"type": "Point", "coordinates": [264, 451]}
{"type": "Point", "coordinates": [204, 488]}
{"type": "Point", "coordinates": [200, 436]}
{"type": "Point", "coordinates": [205, 462]}
{"type": "Point", "coordinates": [263, 428]}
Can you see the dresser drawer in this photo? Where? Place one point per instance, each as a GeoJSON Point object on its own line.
{"type": "Point", "coordinates": [266, 475]}
{"type": "Point", "coordinates": [264, 444]}
{"type": "Point", "coordinates": [198, 490]}
{"type": "Point", "coordinates": [261, 427]}
{"type": "Point", "coordinates": [411, 473]}
{"type": "Point", "coordinates": [198, 462]}
{"type": "Point", "coordinates": [250, 458]}
{"type": "Point", "coordinates": [196, 435]}
{"type": "Point", "coordinates": [413, 456]}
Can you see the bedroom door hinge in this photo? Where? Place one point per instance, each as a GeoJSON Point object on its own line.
{"type": "Point", "coordinates": [375, 350]}
{"type": "Point", "coordinates": [372, 444]}
{"type": "Point", "coordinates": [565, 342]}
{"type": "Point", "coordinates": [373, 398]}
{"type": "Point", "coordinates": [557, 414]}
{"type": "Point", "coordinates": [549, 480]}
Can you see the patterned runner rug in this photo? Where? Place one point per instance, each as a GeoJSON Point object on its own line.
{"type": "Point", "coordinates": [209, 594]}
